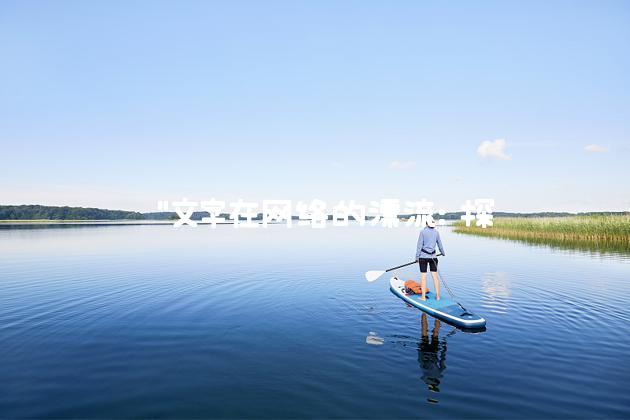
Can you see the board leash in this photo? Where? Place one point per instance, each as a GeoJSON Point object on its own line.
{"type": "Point", "coordinates": [448, 289]}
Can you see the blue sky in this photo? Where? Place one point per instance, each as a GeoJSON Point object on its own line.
{"type": "Point", "coordinates": [121, 104]}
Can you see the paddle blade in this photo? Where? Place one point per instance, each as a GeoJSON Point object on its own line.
{"type": "Point", "coordinates": [373, 275]}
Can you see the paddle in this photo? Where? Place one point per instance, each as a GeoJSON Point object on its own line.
{"type": "Point", "coordinates": [375, 274]}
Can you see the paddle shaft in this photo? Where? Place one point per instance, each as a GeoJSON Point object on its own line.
{"type": "Point", "coordinates": [401, 266]}
{"type": "Point", "coordinates": [405, 265]}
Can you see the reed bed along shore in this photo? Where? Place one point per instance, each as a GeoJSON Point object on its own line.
{"type": "Point", "coordinates": [595, 230]}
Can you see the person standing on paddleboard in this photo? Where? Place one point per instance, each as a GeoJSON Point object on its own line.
{"type": "Point", "coordinates": [425, 254]}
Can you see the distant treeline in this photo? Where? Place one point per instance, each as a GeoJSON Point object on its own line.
{"type": "Point", "coordinates": [36, 212]}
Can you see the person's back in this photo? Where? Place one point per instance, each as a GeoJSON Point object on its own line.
{"type": "Point", "coordinates": [427, 242]}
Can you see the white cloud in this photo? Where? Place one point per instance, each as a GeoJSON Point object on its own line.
{"type": "Point", "coordinates": [400, 165]}
{"type": "Point", "coordinates": [595, 148]}
{"type": "Point", "coordinates": [493, 149]}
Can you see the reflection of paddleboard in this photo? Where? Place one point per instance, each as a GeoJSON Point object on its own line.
{"type": "Point", "coordinates": [445, 309]}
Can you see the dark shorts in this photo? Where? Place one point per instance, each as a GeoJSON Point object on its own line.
{"type": "Point", "coordinates": [422, 262]}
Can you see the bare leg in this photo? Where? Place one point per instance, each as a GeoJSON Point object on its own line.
{"type": "Point", "coordinates": [423, 285]}
{"type": "Point", "coordinates": [436, 284]}
{"type": "Point", "coordinates": [436, 328]}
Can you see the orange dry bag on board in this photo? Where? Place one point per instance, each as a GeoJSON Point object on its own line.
{"type": "Point", "coordinates": [413, 288]}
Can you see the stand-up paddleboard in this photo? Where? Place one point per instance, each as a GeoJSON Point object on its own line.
{"type": "Point", "coordinates": [445, 309]}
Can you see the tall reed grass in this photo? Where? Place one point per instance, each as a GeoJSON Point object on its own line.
{"type": "Point", "coordinates": [598, 230]}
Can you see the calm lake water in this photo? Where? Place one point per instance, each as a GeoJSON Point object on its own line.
{"type": "Point", "coordinates": [152, 321]}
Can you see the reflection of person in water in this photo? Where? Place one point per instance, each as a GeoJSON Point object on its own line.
{"type": "Point", "coordinates": [431, 355]}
